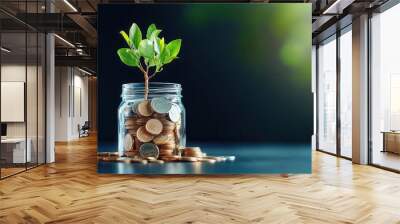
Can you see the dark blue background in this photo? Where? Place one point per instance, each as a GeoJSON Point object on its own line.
{"type": "Point", "coordinates": [236, 85]}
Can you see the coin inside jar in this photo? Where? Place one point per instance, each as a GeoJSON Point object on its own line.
{"type": "Point", "coordinates": [164, 139]}
{"type": "Point", "coordinates": [161, 105]}
{"type": "Point", "coordinates": [149, 150]}
{"type": "Point", "coordinates": [154, 126]}
{"type": "Point", "coordinates": [144, 108]}
{"type": "Point", "coordinates": [143, 135]}
{"type": "Point", "coordinates": [174, 113]}
{"type": "Point", "coordinates": [128, 142]}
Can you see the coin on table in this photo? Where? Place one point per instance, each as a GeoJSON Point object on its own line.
{"type": "Point", "coordinates": [144, 108]}
{"type": "Point", "coordinates": [231, 158]}
{"type": "Point", "coordinates": [188, 159]}
{"type": "Point", "coordinates": [149, 150]}
{"type": "Point", "coordinates": [143, 135]}
{"type": "Point", "coordinates": [174, 113]}
{"type": "Point", "coordinates": [161, 105]}
{"type": "Point", "coordinates": [130, 154]}
{"type": "Point", "coordinates": [193, 151]}
{"type": "Point", "coordinates": [128, 142]}
{"type": "Point", "coordinates": [164, 139]}
{"type": "Point", "coordinates": [154, 126]}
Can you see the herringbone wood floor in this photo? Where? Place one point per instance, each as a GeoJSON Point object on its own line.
{"type": "Point", "coordinates": [70, 191]}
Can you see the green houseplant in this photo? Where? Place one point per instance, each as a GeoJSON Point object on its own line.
{"type": "Point", "coordinates": [151, 53]}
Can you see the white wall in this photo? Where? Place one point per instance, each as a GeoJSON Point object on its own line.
{"type": "Point", "coordinates": [71, 102]}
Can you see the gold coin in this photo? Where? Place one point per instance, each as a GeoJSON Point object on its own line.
{"type": "Point", "coordinates": [154, 126]}
{"type": "Point", "coordinates": [168, 146]}
{"type": "Point", "coordinates": [143, 135]}
{"type": "Point", "coordinates": [129, 122]}
{"type": "Point", "coordinates": [166, 152]}
{"type": "Point", "coordinates": [144, 108]}
{"type": "Point", "coordinates": [156, 161]}
{"type": "Point", "coordinates": [141, 121]}
{"type": "Point", "coordinates": [164, 139]}
{"type": "Point", "coordinates": [189, 159]}
{"type": "Point", "coordinates": [128, 142]}
{"type": "Point", "coordinates": [168, 124]}
{"type": "Point", "coordinates": [132, 132]}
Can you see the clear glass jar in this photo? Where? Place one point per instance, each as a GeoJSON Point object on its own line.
{"type": "Point", "coordinates": [154, 127]}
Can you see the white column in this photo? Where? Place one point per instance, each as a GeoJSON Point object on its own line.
{"type": "Point", "coordinates": [50, 92]}
{"type": "Point", "coordinates": [360, 90]}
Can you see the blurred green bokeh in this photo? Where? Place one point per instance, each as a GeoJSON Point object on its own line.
{"type": "Point", "coordinates": [277, 31]}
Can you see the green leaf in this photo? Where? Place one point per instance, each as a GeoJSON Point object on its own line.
{"type": "Point", "coordinates": [146, 48]}
{"type": "Point", "coordinates": [164, 56]}
{"type": "Point", "coordinates": [159, 45]}
{"type": "Point", "coordinates": [128, 57]}
{"type": "Point", "coordinates": [126, 38]}
{"type": "Point", "coordinates": [150, 30]}
{"type": "Point", "coordinates": [154, 35]}
{"type": "Point", "coordinates": [151, 62]}
{"type": "Point", "coordinates": [174, 47]}
{"type": "Point", "coordinates": [135, 35]}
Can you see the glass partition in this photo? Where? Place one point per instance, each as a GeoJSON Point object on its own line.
{"type": "Point", "coordinates": [385, 89]}
{"type": "Point", "coordinates": [22, 92]}
{"type": "Point", "coordinates": [327, 95]}
{"type": "Point", "coordinates": [346, 92]}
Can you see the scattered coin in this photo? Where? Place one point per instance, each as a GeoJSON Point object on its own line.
{"type": "Point", "coordinates": [154, 126]}
{"type": "Point", "coordinates": [188, 159]}
{"type": "Point", "coordinates": [143, 135]}
{"type": "Point", "coordinates": [174, 113]}
{"type": "Point", "coordinates": [128, 142]}
{"type": "Point", "coordinates": [149, 150]}
{"type": "Point", "coordinates": [144, 108]}
{"type": "Point", "coordinates": [192, 151]}
{"type": "Point", "coordinates": [156, 161]}
{"type": "Point", "coordinates": [231, 158]}
{"type": "Point", "coordinates": [161, 105]}
{"type": "Point", "coordinates": [150, 158]}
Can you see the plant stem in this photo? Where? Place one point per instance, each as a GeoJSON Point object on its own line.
{"type": "Point", "coordinates": [146, 83]}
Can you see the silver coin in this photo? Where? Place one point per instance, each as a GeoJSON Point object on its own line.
{"type": "Point", "coordinates": [231, 158]}
{"type": "Point", "coordinates": [161, 105]}
{"type": "Point", "coordinates": [149, 150]}
{"type": "Point", "coordinates": [174, 113]}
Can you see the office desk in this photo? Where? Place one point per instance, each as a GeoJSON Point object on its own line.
{"type": "Point", "coordinates": [13, 150]}
{"type": "Point", "coordinates": [391, 141]}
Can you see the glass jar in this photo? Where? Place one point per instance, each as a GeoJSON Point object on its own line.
{"type": "Point", "coordinates": [154, 127]}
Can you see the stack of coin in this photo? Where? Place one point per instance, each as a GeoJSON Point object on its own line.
{"type": "Point", "coordinates": [192, 152]}
{"type": "Point", "coordinates": [152, 128]}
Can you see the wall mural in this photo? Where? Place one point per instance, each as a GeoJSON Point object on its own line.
{"type": "Point", "coordinates": [204, 88]}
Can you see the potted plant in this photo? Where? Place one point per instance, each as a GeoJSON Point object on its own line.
{"type": "Point", "coordinates": [151, 125]}
{"type": "Point", "coordinates": [151, 53]}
